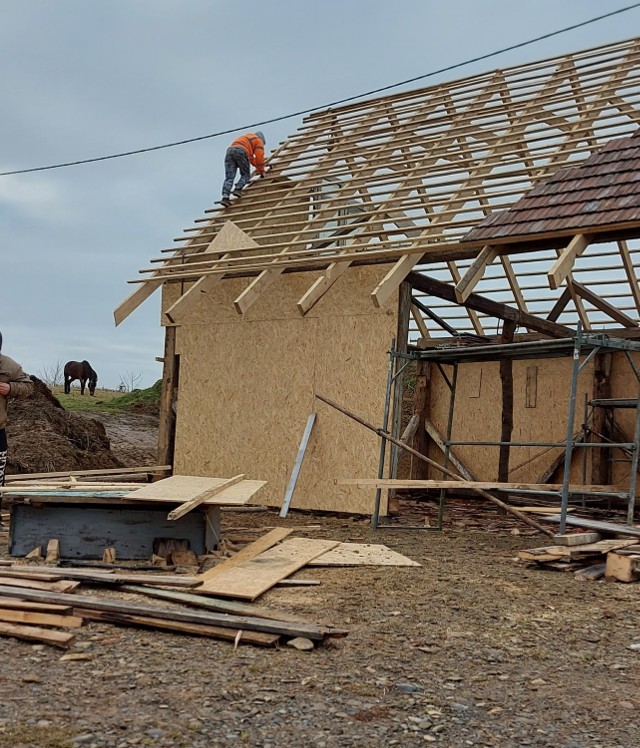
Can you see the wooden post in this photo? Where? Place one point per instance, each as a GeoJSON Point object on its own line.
{"type": "Point", "coordinates": [421, 405]}
{"type": "Point", "coordinates": [600, 463]}
{"type": "Point", "coordinates": [170, 375]}
{"type": "Point", "coordinates": [506, 376]}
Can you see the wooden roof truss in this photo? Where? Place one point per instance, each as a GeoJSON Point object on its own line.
{"type": "Point", "coordinates": [401, 179]}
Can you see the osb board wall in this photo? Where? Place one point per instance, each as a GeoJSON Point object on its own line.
{"type": "Point", "coordinates": [478, 413]}
{"type": "Point", "coordinates": [247, 386]}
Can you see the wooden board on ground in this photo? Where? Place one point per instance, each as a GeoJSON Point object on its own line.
{"type": "Point", "coordinates": [10, 615]}
{"type": "Point", "coordinates": [34, 633]}
{"type": "Point", "coordinates": [251, 578]}
{"type": "Point", "coordinates": [251, 551]}
{"type": "Point", "coordinates": [553, 552]}
{"type": "Point", "coordinates": [622, 567]}
{"type": "Point", "coordinates": [179, 489]}
{"type": "Point", "coordinates": [7, 602]}
{"type": "Point", "coordinates": [362, 554]}
{"type": "Point", "coordinates": [577, 538]}
{"type": "Point", "coordinates": [34, 584]}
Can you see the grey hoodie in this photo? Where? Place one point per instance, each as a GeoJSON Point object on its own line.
{"type": "Point", "coordinates": [21, 385]}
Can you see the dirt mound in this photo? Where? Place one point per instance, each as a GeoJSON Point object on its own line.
{"type": "Point", "coordinates": [44, 437]}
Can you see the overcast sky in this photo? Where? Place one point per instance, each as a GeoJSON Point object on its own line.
{"type": "Point", "coordinates": [85, 78]}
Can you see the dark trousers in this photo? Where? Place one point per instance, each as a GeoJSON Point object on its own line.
{"type": "Point", "coordinates": [236, 159]}
{"type": "Point", "coordinates": [3, 454]}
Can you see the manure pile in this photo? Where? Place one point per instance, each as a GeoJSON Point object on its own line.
{"type": "Point", "coordinates": [44, 437]}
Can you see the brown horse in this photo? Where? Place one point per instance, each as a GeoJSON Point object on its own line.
{"type": "Point", "coordinates": [80, 370]}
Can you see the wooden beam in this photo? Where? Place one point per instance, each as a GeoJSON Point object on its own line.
{"type": "Point", "coordinates": [513, 283]}
{"type": "Point", "coordinates": [563, 265]}
{"type": "Point", "coordinates": [389, 284]}
{"type": "Point", "coordinates": [429, 285]}
{"type": "Point", "coordinates": [230, 236]}
{"type": "Point", "coordinates": [559, 306]}
{"type": "Point", "coordinates": [475, 272]}
{"type": "Point", "coordinates": [473, 317]}
{"type": "Point", "coordinates": [419, 320]}
{"type": "Point", "coordinates": [438, 439]}
{"type": "Point", "coordinates": [421, 405]}
{"type": "Point", "coordinates": [168, 397]}
{"type": "Point", "coordinates": [604, 306]}
{"type": "Point", "coordinates": [322, 285]}
{"type": "Point", "coordinates": [506, 378]}
{"type": "Point", "coordinates": [204, 496]}
{"type": "Point", "coordinates": [629, 269]}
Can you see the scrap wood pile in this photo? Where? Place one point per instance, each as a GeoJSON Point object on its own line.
{"type": "Point", "coordinates": [41, 603]}
{"type": "Point", "coordinates": [589, 557]}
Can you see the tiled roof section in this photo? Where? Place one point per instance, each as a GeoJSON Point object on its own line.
{"type": "Point", "coordinates": [602, 191]}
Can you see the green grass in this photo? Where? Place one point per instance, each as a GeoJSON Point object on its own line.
{"type": "Point", "coordinates": [110, 401]}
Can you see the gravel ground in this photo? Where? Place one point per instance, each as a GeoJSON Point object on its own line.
{"type": "Point", "coordinates": [471, 649]}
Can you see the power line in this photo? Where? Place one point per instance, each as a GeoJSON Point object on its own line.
{"type": "Point", "coordinates": [255, 125]}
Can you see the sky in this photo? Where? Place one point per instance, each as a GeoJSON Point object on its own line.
{"type": "Point", "coordinates": [82, 79]}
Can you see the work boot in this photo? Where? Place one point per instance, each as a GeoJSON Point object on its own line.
{"type": "Point", "coordinates": [226, 201]}
{"type": "Point", "coordinates": [237, 192]}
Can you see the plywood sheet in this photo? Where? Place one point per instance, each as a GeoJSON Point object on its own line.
{"type": "Point", "coordinates": [182, 488]}
{"type": "Point", "coordinates": [245, 554]}
{"type": "Point", "coordinates": [261, 392]}
{"type": "Point", "coordinates": [362, 554]}
{"type": "Point", "coordinates": [251, 578]}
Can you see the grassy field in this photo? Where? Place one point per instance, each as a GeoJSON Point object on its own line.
{"type": "Point", "coordinates": [110, 401]}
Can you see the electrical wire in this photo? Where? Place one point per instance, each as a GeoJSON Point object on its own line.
{"type": "Point", "coordinates": [338, 102]}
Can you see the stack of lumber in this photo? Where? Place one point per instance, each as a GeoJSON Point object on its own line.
{"type": "Point", "coordinates": [37, 600]}
{"type": "Point", "coordinates": [588, 556]}
{"type": "Point", "coordinates": [34, 601]}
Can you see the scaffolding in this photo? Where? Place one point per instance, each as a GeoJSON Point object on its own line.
{"type": "Point", "coordinates": [583, 347]}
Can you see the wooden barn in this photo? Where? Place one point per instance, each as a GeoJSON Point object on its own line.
{"type": "Point", "coordinates": [473, 238]}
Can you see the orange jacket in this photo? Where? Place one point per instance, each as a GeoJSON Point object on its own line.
{"type": "Point", "coordinates": [254, 147]}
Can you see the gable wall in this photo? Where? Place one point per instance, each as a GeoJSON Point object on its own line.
{"type": "Point", "coordinates": [247, 386]}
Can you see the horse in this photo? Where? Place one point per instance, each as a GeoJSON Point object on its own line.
{"type": "Point", "coordinates": [80, 370]}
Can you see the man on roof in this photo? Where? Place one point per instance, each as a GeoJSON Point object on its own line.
{"type": "Point", "coordinates": [244, 152]}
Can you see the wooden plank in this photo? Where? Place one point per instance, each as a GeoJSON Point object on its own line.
{"type": "Point", "coordinates": [506, 379]}
{"type": "Point", "coordinates": [61, 639]}
{"type": "Point", "coordinates": [35, 584]}
{"type": "Point", "coordinates": [622, 568]}
{"type": "Point", "coordinates": [472, 485]}
{"type": "Point", "coordinates": [362, 554]}
{"type": "Point", "coordinates": [182, 488]}
{"type": "Point", "coordinates": [252, 578]}
{"type": "Point", "coordinates": [39, 619]}
{"type": "Point", "coordinates": [198, 629]}
{"type": "Point", "coordinates": [599, 526]}
{"type": "Point", "coordinates": [575, 551]}
{"type": "Point", "coordinates": [245, 554]}
{"type": "Point", "coordinates": [577, 538]}
{"type": "Point", "coordinates": [106, 471]}
{"type": "Point", "coordinates": [474, 274]}
{"type": "Point", "coordinates": [212, 603]}
{"type": "Point", "coordinates": [106, 577]}
{"type": "Point", "coordinates": [207, 495]}
{"type": "Point", "coordinates": [562, 266]}
{"type": "Point", "coordinates": [7, 602]}
{"type": "Point", "coordinates": [291, 487]}
{"type": "Point", "coordinates": [83, 604]}
{"type": "Point", "coordinates": [53, 551]}
{"type": "Point", "coordinates": [591, 573]}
